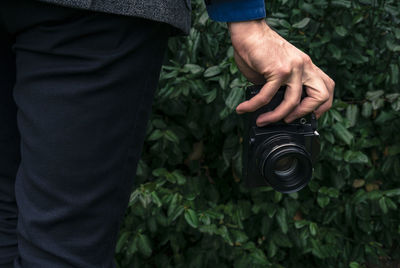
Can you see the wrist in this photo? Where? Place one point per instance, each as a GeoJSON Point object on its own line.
{"type": "Point", "coordinates": [248, 31]}
{"type": "Point", "coordinates": [241, 27]}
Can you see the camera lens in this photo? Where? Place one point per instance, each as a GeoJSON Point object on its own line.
{"type": "Point", "coordinates": [285, 164]}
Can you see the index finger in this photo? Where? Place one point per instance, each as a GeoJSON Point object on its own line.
{"type": "Point", "coordinates": [290, 101]}
{"type": "Point", "coordinates": [265, 95]}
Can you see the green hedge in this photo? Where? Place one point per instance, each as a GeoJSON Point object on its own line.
{"type": "Point", "coordinates": [190, 208]}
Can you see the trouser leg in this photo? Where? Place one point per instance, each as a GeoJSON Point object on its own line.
{"type": "Point", "coordinates": [84, 90]}
{"type": "Point", "coordinates": [9, 153]}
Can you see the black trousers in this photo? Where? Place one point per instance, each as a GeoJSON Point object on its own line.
{"type": "Point", "coordinates": [76, 89]}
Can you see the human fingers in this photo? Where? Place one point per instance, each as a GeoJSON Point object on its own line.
{"type": "Point", "coordinates": [291, 99]}
{"type": "Point", "coordinates": [317, 95]}
{"type": "Point", "coordinates": [261, 99]}
{"type": "Point", "coordinates": [330, 85]}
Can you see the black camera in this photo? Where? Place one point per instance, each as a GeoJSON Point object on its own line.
{"type": "Point", "coordinates": [279, 155]}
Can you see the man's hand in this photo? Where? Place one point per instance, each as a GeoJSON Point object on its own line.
{"type": "Point", "coordinates": [262, 56]}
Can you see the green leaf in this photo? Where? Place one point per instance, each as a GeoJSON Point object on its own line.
{"type": "Point", "coordinates": [259, 257]}
{"type": "Point", "coordinates": [224, 80]}
{"type": "Point", "coordinates": [340, 30]}
{"type": "Point", "coordinates": [272, 248]}
{"type": "Point", "coordinates": [310, 8]}
{"type": "Point", "coordinates": [178, 210]}
{"type": "Point", "coordinates": [323, 200]}
{"type": "Point", "coordinates": [172, 204]}
{"type": "Point", "coordinates": [284, 23]}
{"type": "Point", "coordinates": [394, 74]}
{"type": "Point", "coordinates": [342, 133]}
{"type": "Point", "coordinates": [384, 117]}
{"type": "Point", "coordinates": [277, 197]}
{"type": "Point", "coordinates": [394, 149]}
{"type": "Point", "coordinates": [212, 71]}
{"type": "Point", "coordinates": [341, 3]}
{"type": "Point", "coordinates": [396, 105]}
{"type": "Point", "coordinates": [366, 109]}
{"type": "Point", "coordinates": [392, 192]}
{"type": "Point", "coordinates": [354, 264]}
{"type": "Point", "coordinates": [133, 247]}
{"type": "Point", "coordinates": [390, 204]}
{"type": "Point", "coordinates": [155, 135]}
{"type": "Point", "coordinates": [240, 237]}
{"type": "Point", "coordinates": [336, 115]}
{"type": "Point", "coordinates": [122, 241]}
{"type": "Point", "coordinates": [281, 240]}
{"type": "Point", "coordinates": [223, 231]}
{"type": "Point", "coordinates": [234, 98]}
{"type": "Point", "coordinates": [374, 195]}
{"type": "Point", "coordinates": [392, 46]}
{"type": "Point", "coordinates": [374, 95]}
{"type": "Point", "coordinates": [382, 205]}
{"type": "Point", "coordinates": [281, 219]}
{"type": "Point", "coordinates": [355, 157]}
{"type": "Point", "coordinates": [301, 24]}
{"type": "Point", "coordinates": [191, 218]}
{"type": "Point", "coordinates": [397, 33]}
{"type": "Point", "coordinates": [210, 96]}
{"type": "Point", "coordinates": [171, 136]}
{"type": "Point", "coordinates": [336, 52]}
{"type": "Point", "coordinates": [209, 229]}
{"type": "Point", "coordinates": [351, 114]}
{"type": "Point", "coordinates": [377, 104]}
{"type": "Point", "coordinates": [180, 179]}
{"type": "Point", "coordinates": [300, 224]}
{"type": "Point", "coordinates": [144, 245]}
{"type": "Point", "coordinates": [160, 172]}
{"type": "Point", "coordinates": [392, 97]}
{"type": "Point", "coordinates": [333, 192]}
{"type": "Point", "coordinates": [313, 228]}
{"type": "Point", "coordinates": [193, 68]}
{"type": "Point", "coordinates": [156, 200]}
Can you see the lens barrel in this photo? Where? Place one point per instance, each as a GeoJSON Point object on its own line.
{"type": "Point", "coordinates": [284, 163]}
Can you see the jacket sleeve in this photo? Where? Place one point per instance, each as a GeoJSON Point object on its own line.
{"type": "Point", "coordinates": [235, 10]}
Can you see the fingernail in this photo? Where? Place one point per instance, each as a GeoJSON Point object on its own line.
{"type": "Point", "coordinates": [261, 124]}
{"type": "Point", "coordinates": [288, 120]}
{"type": "Point", "coordinates": [239, 110]}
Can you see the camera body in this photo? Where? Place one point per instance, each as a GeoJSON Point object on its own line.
{"type": "Point", "coordinates": [279, 155]}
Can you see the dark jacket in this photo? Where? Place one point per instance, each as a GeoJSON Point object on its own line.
{"type": "Point", "coordinates": [173, 12]}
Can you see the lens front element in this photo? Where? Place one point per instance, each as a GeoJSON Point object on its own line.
{"type": "Point", "coordinates": [285, 164]}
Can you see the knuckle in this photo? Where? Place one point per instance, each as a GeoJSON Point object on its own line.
{"type": "Point", "coordinates": [297, 62]}
{"type": "Point", "coordinates": [324, 96]}
{"type": "Point", "coordinates": [331, 83]}
{"type": "Point", "coordinates": [284, 70]}
{"type": "Point", "coordinates": [307, 59]}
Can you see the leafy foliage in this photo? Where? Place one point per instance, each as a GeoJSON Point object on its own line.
{"type": "Point", "coordinates": [190, 208]}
